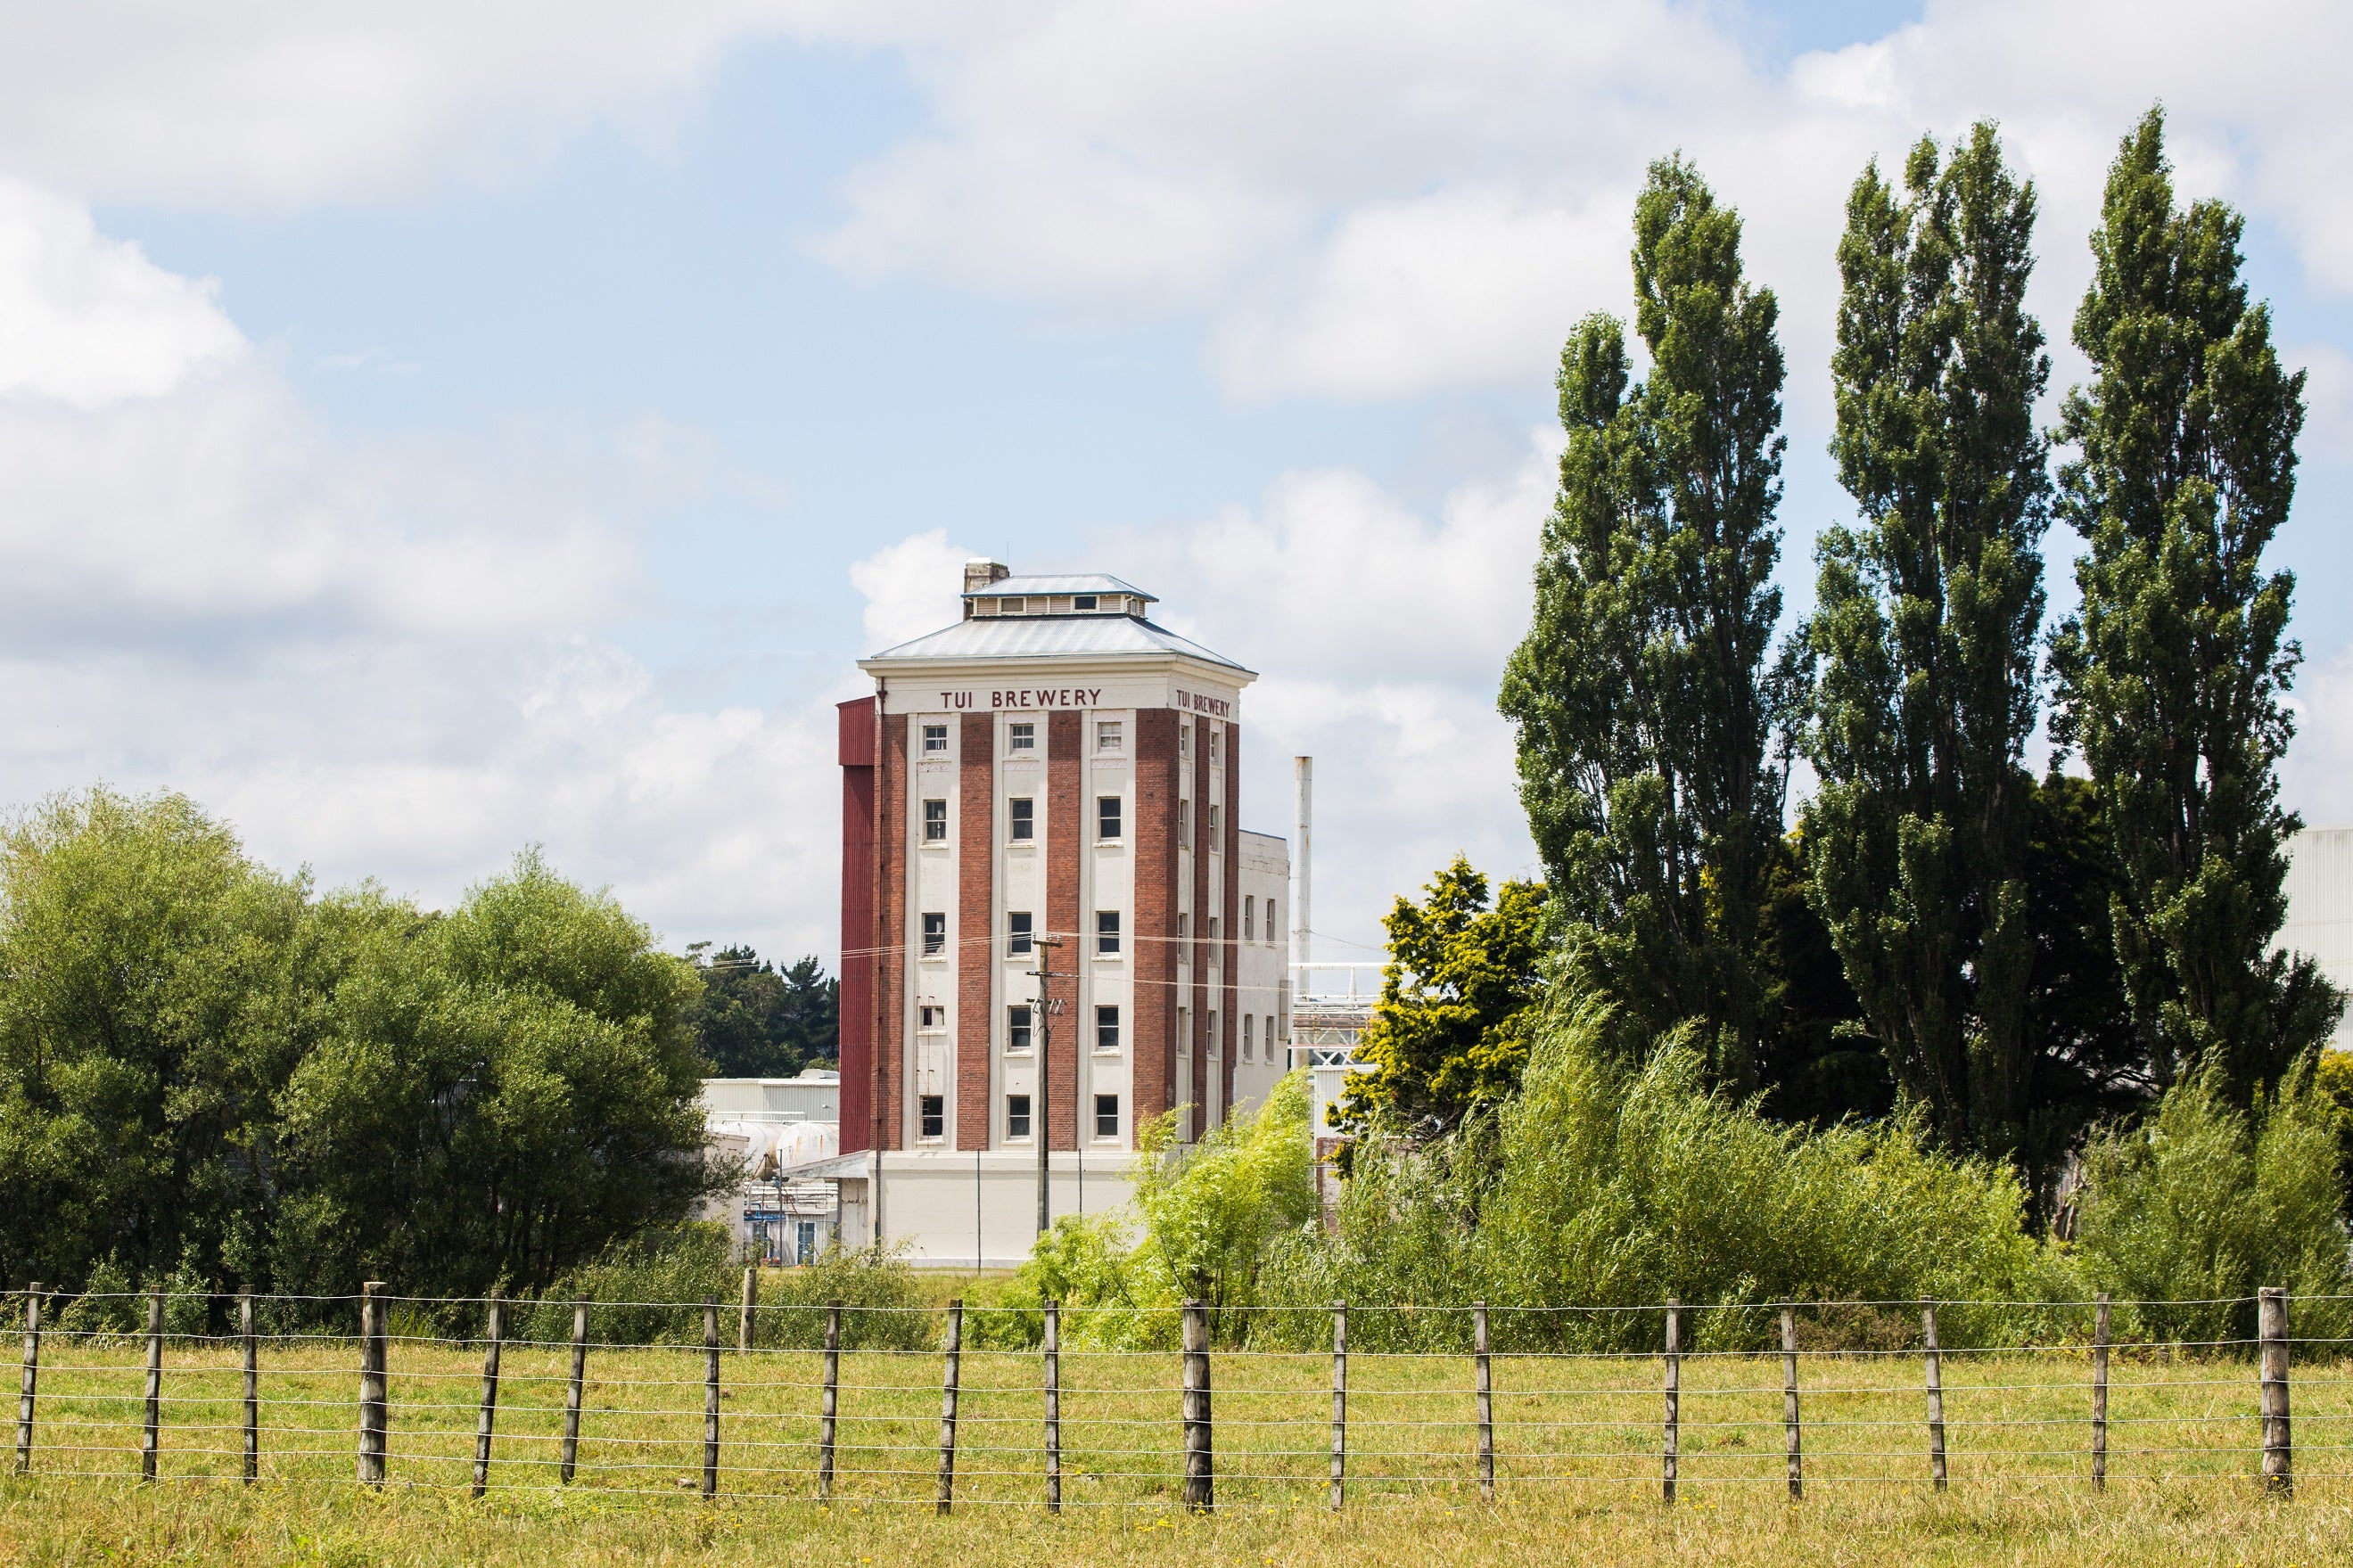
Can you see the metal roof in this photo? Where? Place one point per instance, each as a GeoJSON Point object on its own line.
{"type": "Point", "coordinates": [1053, 637]}
{"type": "Point", "coordinates": [1077, 582]}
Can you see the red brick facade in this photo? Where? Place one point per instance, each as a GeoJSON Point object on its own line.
{"type": "Point", "coordinates": [1155, 1045]}
{"type": "Point", "coordinates": [888, 1072]}
{"type": "Point", "coordinates": [1066, 831]}
{"type": "Point", "coordinates": [1229, 835]}
{"type": "Point", "coordinates": [975, 925]}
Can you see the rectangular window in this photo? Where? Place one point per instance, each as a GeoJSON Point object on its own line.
{"type": "Point", "coordinates": [1107, 817]}
{"type": "Point", "coordinates": [1016, 606]}
{"type": "Point", "coordinates": [935, 935]}
{"type": "Point", "coordinates": [1106, 1028]}
{"type": "Point", "coordinates": [930, 1017]}
{"type": "Point", "coordinates": [1082, 601]}
{"type": "Point", "coordinates": [1183, 739]}
{"type": "Point", "coordinates": [1021, 737]}
{"type": "Point", "coordinates": [1106, 1116]}
{"type": "Point", "coordinates": [1246, 1021]}
{"type": "Point", "coordinates": [1106, 930]}
{"type": "Point", "coordinates": [1216, 842]}
{"type": "Point", "coordinates": [1022, 819]}
{"type": "Point", "coordinates": [1213, 748]}
{"type": "Point", "coordinates": [1016, 1028]}
{"type": "Point", "coordinates": [1017, 1116]}
{"type": "Point", "coordinates": [1184, 925]}
{"type": "Point", "coordinates": [932, 1111]}
{"type": "Point", "coordinates": [1246, 917]}
{"type": "Point", "coordinates": [935, 822]}
{"type": "Point", "coordinates": [1108, 737]}
{"type": "Point", "coordinates": [1213, 927]}
{"type": "Point", "coordinates": [1016, 933]}
{"type": "Point", "coordinates": [1184, 823]}
{"type": "Point", "coordinates": [935, 737]}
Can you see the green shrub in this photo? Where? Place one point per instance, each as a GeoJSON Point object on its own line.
{"type": "Point", "coordinates": [1206, 1220]}
{"type": "Point", "coordinates": [651, 1291]}
{"type": "Point", "coordinates": [1610, 1188]}
{"type": "Point", "coordinates": [111, 1304]}
{"type": "Point", "coordinates": [2201, 1205]}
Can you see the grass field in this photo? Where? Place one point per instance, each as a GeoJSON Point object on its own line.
{"type": "Point", "coordinates": [1577, 1442]}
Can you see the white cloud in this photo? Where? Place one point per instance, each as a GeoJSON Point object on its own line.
{"type": "Point", "coordinates": [88, 320]}
{"type": "Point", "coordinates": [2316, 778]}
{"type": "Point", "coordinates": [390, 659]}
{"type": "Point", "coordinates": [1382, 633]}
{"type": "Point", "coordinates": [911, 587]}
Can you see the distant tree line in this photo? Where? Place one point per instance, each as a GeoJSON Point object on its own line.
{"type": "Point", "coordinates": [2011, 960]}
{"type": "Point", "coordinates": [753, 1020]}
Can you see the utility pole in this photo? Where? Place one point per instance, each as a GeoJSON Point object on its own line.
{"type": "Point", "coordinates": [1045, 1005]}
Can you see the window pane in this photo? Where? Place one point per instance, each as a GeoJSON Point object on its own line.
{"type": "Point", "coordinates": [1106, 930]}
{"type": "Point", "coordinates": [1016, 1028]}
{"type": "Point", "coordinates": [1082, 601]}
{"type": "Point", "coordinates": [1022, 737]}
{"type": "Point", "coordinates": [1106, 1028]}
{"type": "Point", "coordinates": [935, 737]}
{"type": "Point", "coordinates": [1106, 1116]}
{"type": "Point", "coordinates": [1108, 736]}
{"type": "Point", "coordinates": [934, 1111]}
{"type": "Point", "coordinates": [1017, 933]}
{"type": "Point", "coordinates": [1246, 1021]}
{"type": "Point", "coordinates": [1023, 825]}
{"type": "Point", "coordinates": [935, 935]}
{"type": "Point", "coordinates": [1107, 817]}
{"type": "Point", "coordinates": [1017, 1116]}
{"type": "Point", "coordinates": [936, 821]}
{"type": "Point", "coordinates": [1247, 904]}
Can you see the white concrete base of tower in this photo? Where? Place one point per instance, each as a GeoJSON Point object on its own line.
{"type": "Point", "coordinates": [967, 1208]}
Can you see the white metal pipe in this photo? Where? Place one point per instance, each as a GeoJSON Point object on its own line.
{"type": "Point", "coordinates": [1303, 855]}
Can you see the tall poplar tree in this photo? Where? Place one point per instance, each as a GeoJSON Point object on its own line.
{"type": "Point", "coordinates": [2173, 672]}
{"type": "Point", "coordinates": [1925, 637]}
{"type": "Point", "coordinates": [1639, 693]}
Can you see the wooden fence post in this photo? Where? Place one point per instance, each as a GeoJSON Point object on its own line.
{"type": "Point", "coordinates": [250, 1343]}
{"type": "Point", "coordinates": [31, 1384]}
{"type": "Point", "coordinates": [751, 1300]}
{"type": "Point", "coordinates": [1935, 1370]}
{"type": "Point", "coordinates": [711, 1397]}
{"type": "Point", "coordinates": [2270, 1327]}
{"type": "Point", "coordinates": [568, 1455]}
{"type": "Point", "coordinates": [950, 1372]}
{"type": "Point", "coordinates": [493, 1341]}
{"type": "Point", "coordinates": [830, 1406]}
{"type": "Point", "coordinates": [1674, 1448]}
{"type": "Point", "coordinates": [1339, 1403]}
{"type": "Point", "coordinates": [1789, 1402]}
{"type": "Point", "coordinates": [1200, 1475]}
{"type": "Point", "coordinates": [2100, 1394]}
{"type": "Point", "coordinates": [150, 1430]}
{"type": "Point", "coordinates": [1053, 1343]}
{"type": "Point", "coordinates": [1486, 1388]}
{"type": "Point", "coordinates": [373, 1390]}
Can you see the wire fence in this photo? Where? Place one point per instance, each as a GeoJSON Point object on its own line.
{"type": "Point", "coordinates": [751, 1414]}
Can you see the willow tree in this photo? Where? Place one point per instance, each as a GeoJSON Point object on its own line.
{"type": "Point", "coordinates": [1925, 637]}
{"type": "Point", "coordinates": [2173, 673]}
{"type": "Point", "coordinates": [1641, 692]}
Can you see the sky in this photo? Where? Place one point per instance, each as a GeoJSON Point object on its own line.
{"type": "Point", "coordinates": [434, 429]}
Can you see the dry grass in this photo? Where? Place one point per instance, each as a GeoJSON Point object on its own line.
{"type": "Point", "coordinates": [1577, 1443]}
